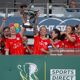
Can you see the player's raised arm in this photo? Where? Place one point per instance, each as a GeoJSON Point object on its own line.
{"type": "Point", "coordinates": [35, 24]}
{"type": "Point", "coordinates": [3, 23]}
{"type": "Point", "coordinates": [23, 29]}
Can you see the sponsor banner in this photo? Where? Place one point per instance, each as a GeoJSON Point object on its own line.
{"type": "Point", "coordinates": [62, 74]}
{"type": "Point", "coordinates": [39, 67]}
{"type": "Point", "coordinates": [50, 23]}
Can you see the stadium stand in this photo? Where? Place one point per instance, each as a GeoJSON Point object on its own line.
{"type": "Point", "coordinates": [7, 3]}
{"type": "Point", "coordinates": [40, 1]}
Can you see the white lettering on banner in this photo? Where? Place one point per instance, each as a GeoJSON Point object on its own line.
{"type": "Point", "coordinates": [50, 27]}
{"type": "Point", "coordinates": [61, 25]}
{"type": "Point", "coordinates": [62, 74]}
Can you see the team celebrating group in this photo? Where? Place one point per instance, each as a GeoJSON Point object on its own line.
{"type": "Point", "coordinates": [13, 43]}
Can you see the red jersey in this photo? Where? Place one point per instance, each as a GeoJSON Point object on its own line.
{"type": "Point", "coordinates": [0, 41]}
{"type": "Point", "coordinates": [68, 43]}
{"type": "Point", "coordinates": [3, 45]}
{"type": "Point", "coordinates": [15, 46]}
{"type": "Point", "coordinates": [39, 44]}
{"type": "Point", "coordinates": [58, 44]}
{"type": "Point", "coordinates": [0, 45]}
{"type": "Point", "coordinates": [77, 45]}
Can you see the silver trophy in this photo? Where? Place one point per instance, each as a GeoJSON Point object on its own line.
{"type": "Point", "coordinates": [29, 15]}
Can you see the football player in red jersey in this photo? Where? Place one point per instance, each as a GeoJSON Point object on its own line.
{"type": "Point", "coordinates": [57, 44]}
{"type": "Point", "coordinates": [0, 43]}
{"type": "Point", "coordinates": [5, 34]}
{"type": "Point", "coordinates": [14, 44]}
{"type": "Point", "coordinates": [55, 37]}
{"type": "Point", "coordinates": [70, 37]}
{"type": "Point", "coordinates": [41, 42]}
{"type": "Point", "coordinates": [77, 45]}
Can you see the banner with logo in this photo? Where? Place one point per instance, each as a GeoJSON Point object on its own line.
{"type": "Point", "coordinates": [50, 22]}
{"type": "Point", "coordinates": [39, 68]}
